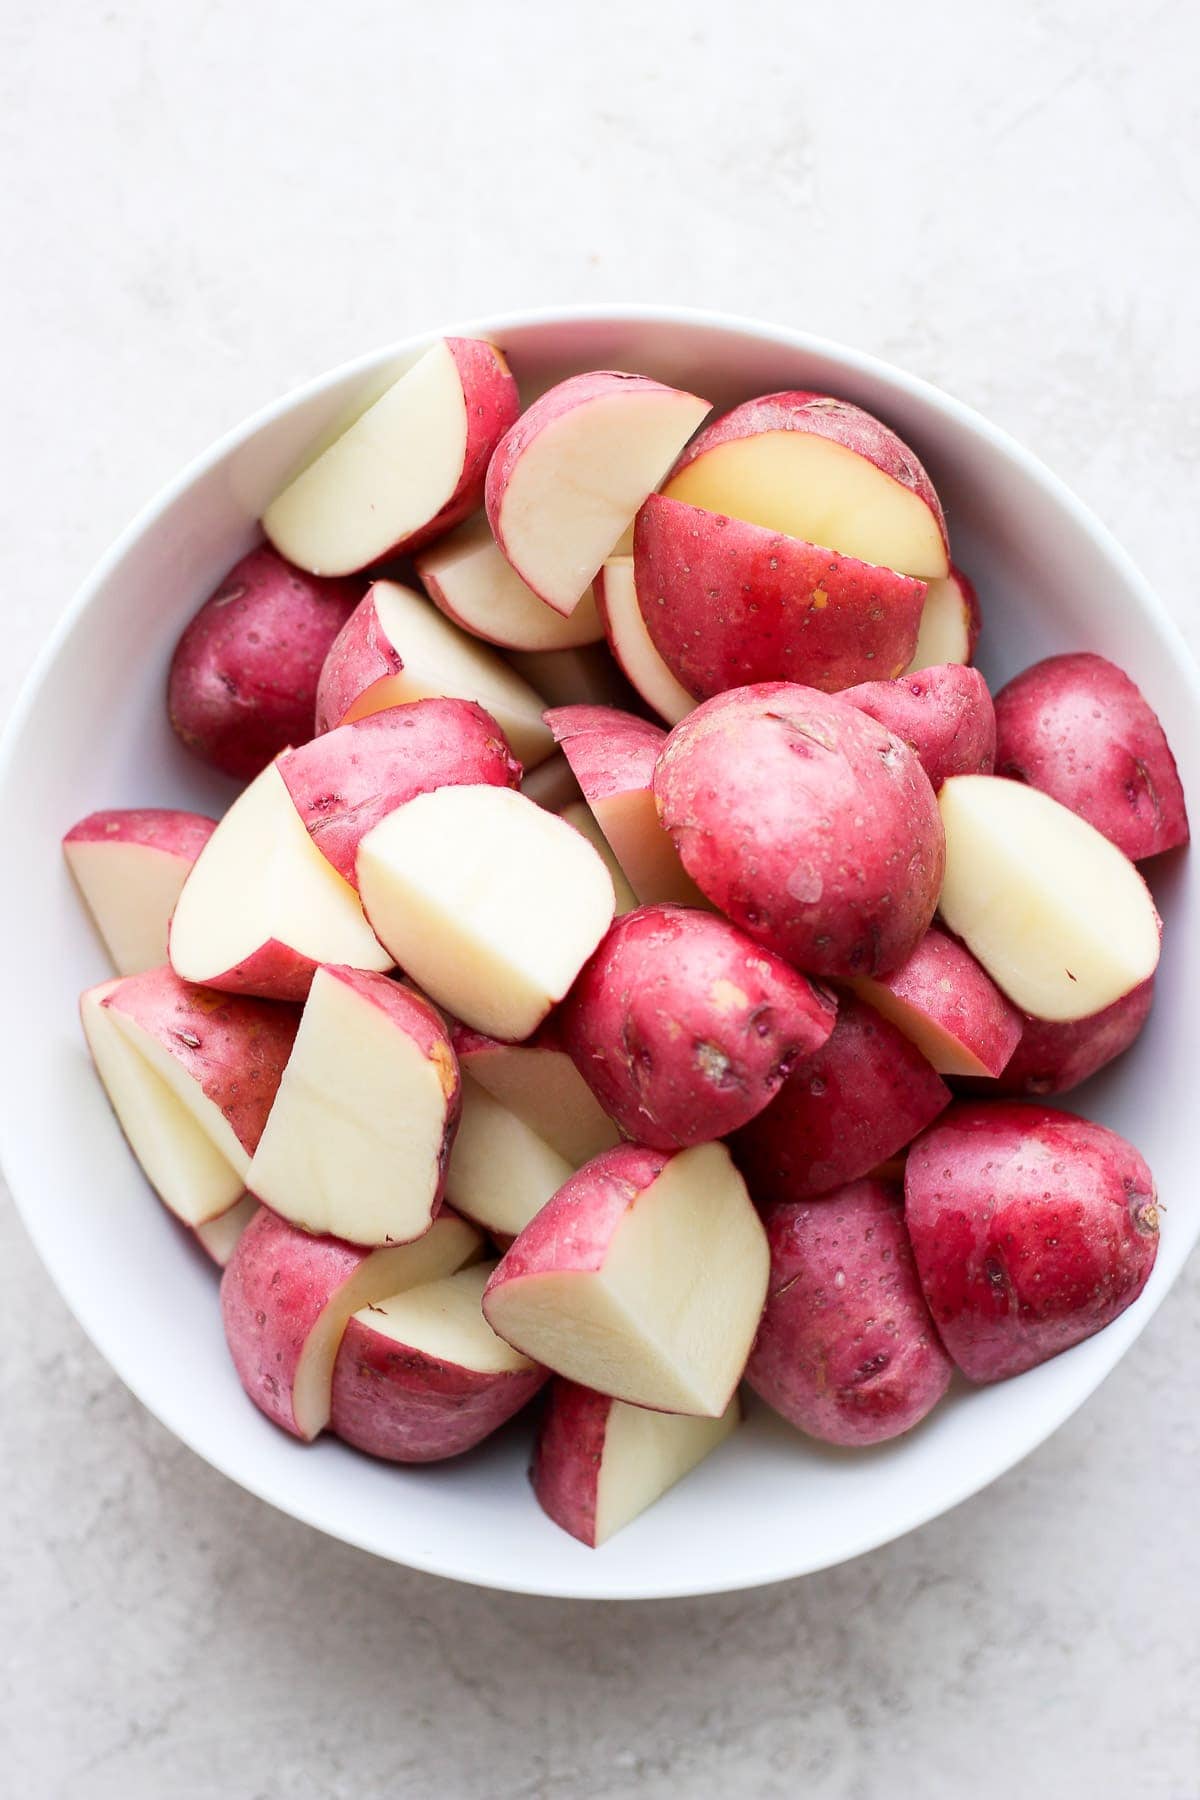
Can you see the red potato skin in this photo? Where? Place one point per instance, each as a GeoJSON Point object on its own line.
{"type": "Point", "coordinates": [971, 609]}
{"type": "Point", "coordinates": [346, 781]}
{"type": "Point", "coordinates": [1032, 1229]}
{"type": "Point", "coordinates": [684, 1028]}
{"type": "Point", "coordinates": [799, 409]}
{"type": "Point", "coordinates": [853, 1105]}
{"type": "Point", "coordinates": [1052, 1058]}
{"type": "Point", "coordinates": [406, 1406]}
{"type": "Point", "coordinates": [243, 679]}
{"type": "Point", "coordinates": [234, 1047]}
{"type": "Point", "coordinates": [161, 828]}
{"type": "Point", "coordinates": [727, 603]}
{"type": "Point", "coordinates": [846, 1350]}
{"type": "Point", "coordinates": [275, 971]}
{"type": "Point", "coordinates": [360, 655]}
{"type": "Point", "coordinates": [610, 752]}
{"type": "Point", "coordinates": [808, 824]}
{"type": "Point", "coordinates": [575, 1227]}
{"type": "Point", "coordinates": [1078, 728]}
{"type": "Point", "coordinates": [565, 1469]}
{"type": "Point", "coordinates": [944, 714]}
{"type": "Point", "coordinates": [942, 980]}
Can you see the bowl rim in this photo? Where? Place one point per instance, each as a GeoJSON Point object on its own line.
{"type": "Point", "coordinates": [496, 325]}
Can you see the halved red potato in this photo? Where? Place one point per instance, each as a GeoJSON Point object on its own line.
{"type": "Point", "coordinates": [468, 578]}
{"type": "Point", "coordinates": [950, 623]}
{"type": "Point", "coordinates": [500, 1173]}
{"type": "Point", "coordinates": [539, 1082]}
{"type": "Point", "coordinates": [218, 1237]}
{"type": "Point", "coordinates": [948, 1007]}
{"type": "Point", "coordinates": [1052, 1058]}
{"type": "Point", "coordinates": [631, 644]}
{"type": "Point", "coordinates": [130, 865]}
{"type": "Point", "coordinates": [944, 715]}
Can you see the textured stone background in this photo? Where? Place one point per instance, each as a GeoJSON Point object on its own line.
{"type": "Point", "coordinates": [210, 201]}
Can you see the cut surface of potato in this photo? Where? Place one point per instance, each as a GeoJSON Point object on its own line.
{"type": "Point", "coordinates": [219, 1236]}
{"type": "Point", "coordinates": [468, 578]}
{"type": "Point", "coordinates": [646, 1453]}
{"type": "Point", "coordinates": [442, 1319]}
{"type": "Point", "coordinates": [541, 1085]}
{"type": "Point", "coordinates": [130, 867]}
{"type": "Point", "coordinates": [949, 624]}
{"type": "Point", "coordinates": [631, 643]}
{"type": "Point", "coordinates": [580, 815]}
{"type": "Point", "coordinates": [501, 1173]}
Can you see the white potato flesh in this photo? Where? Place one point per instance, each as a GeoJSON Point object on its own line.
{"type": "Point", "coordinates": [485, 595]}
{"type": "Point", "coordinates": [944, 635]}
{"type": "Point", "coordinates": [1059, 918]}
{"type": "Point", "coordinates": [443, 1320]}
{"type": "Point", "coordinates": [644, 850]}
{"type": "Point", "coordinates": [668, 1318]}
{"type": "Point", "coordinates": [580, 815]}
{"type": "Point", "coordinates": [492, 905]}
{"type": "Point", "coordinates": [384, 478]}
{"type": "Point", "coordinates": [353, 1141]}
{"type": "Point", "coordinates": [645, 1453]}
{"type": "Point", "coordinates": [219, 1236]}
{"type": "Point", "coordinates": [446, 1246]}
{"type": "Point", "coordinates": [443, 662]}
{"type": "Point", "coordinates": [176, 1154]}
{"type": "Point", "coordinates": [634, 648]}
{"type": "Point", "coordinates": [186, 1089]}
{"type": "Point", "coordinates": [130, 890]}
{"type": "Point", "coordinates": [812, 488]}
{"type": "Point", "coordinates": [545, 1090]}
{"type": "Point", "coordinates": [261, 879]}
{"type": "Point", "coordinates": [577, 485]}
{"type": "Point", "coordinates": [500, 1172]}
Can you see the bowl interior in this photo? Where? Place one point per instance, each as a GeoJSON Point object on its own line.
{"type": "Point", "coordinates": [92, 732]}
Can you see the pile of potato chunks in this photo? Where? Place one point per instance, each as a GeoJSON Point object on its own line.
{"type": "Point", "coordinates": [639, 960]}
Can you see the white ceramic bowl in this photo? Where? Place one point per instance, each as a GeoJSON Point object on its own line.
{"type": "Point", "coordinates": [91, 731]}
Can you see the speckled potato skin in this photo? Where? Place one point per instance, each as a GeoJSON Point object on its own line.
{"type": "Point", "coordinates": [344, 782]}
{"type": "Point", "coordinates": [807, 823]}
{"type": "Point", "coordinates": [944, 714]}
{"type": "Point", "coordinates": [942, 980]}
{"type": "Point", "coordinates": [854, 1104]}
{"type": "Point", "coordinates": [727, 603]}
{"type": "Point", "coordinates": [574, 1229]}
{"type": "Point", "coordinates": [243, 679]}
{"type": "Point", "coordinates": [684, 1028]}
{"type": "Point", "coordinates": [1052, 1058]}
{"type": "Point", "coordinates": [610, 752]}
{"type": "Point", "coordinates": [565, 1468]}
{"type": "Point", "coordinates": [1032, 1229]}
{"type": "Point", "coordinates": [846, 1350]}
{"type": "Point", "coordinates": [162, 828]}
{"type": "Point", "coordinates": [233, 1046]}
{"type": "Point", "coordinates": [405, 1406]}
{"type": "Point", "coordinates": [1078, 728]}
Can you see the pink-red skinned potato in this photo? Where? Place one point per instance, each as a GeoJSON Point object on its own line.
{"type": "Point", "coordinates": [727, 603]}
{"type": "Point", "coordinates": [944, 714]}
{"type": "Point", "coordinates": [344, 782]}
{"type": "Point", "coordinates": [1078, 728]}
{"type": "Point", "coordinates": [822, 470]}
{"type": "Point", "coordinates": [846, 1350]}
{"type": "Point", "coordinates": [948, 1006]}
{"type": "Point", "coordinates": [854, 1104]}
{"type": "Point", "coordinates": [808, 824]}
{"type": "Point", "coordinates": [951, 621]}
{"type": "Point", "coordinates": [243, 680]}
{"type": "Point", "coordinates": [1053, 1057]}
{"type": "Point", "coordinates": [1032, 1229]}
{"type": "Point", "coordinates": [684, 1028]}
{"type": "Point", "coordinates": [130, 864]}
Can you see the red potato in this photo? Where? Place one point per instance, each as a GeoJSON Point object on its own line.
{"type": "Point", "coordinates": [846, 1350]}
{"type": "Point", "coordinates": [1052, 1058]}
{"type": "Point", "coordinates": [411, 466]}
{"type": "Point", "coordinates": [684, 1029]}
{"type": "Point", "coordinates": [286, 1299]}
{"type": "Point", "coordinates": [552, 785]}
{"type": "Point", "coordinates": [396, 648]}
{"type": "Point", "coordinates": [643, 1277]}
{"type": "Point", "coordinates": [540, 1084]}
{"type": "Point", "coordinates": [943, 714]}
{"type": "Point", "coordinates": [218, 1237]}
{"type": "Point", "coordinates": [631, 644]}
{"type": "Point", "coordinates": [1058, 916]}
{"type": "Point", "coordinates": [191, 1076]}
{"type": "Point", "coordinates": [492, 905]}
{"type": "Point", "coordinates": [1077, 728]}
{"type": "Point", "coordinates": [243, 680]}
{"type": "Point", "coordinates": [950, 623]}
{"type": "Point", "coordinates": [858, 1101]}
{"type": "Point", "coordinates": [262, 908]}
{"type": "Point", "coordinates": [1032, 1229]}
{"type": "Point", "coordinates": [727, 603]}
{"type": "Point", "coordinates": [583, 819]}
{"type": "Point", "coordinates": [569, 475]}
{"type": "Point", "coordinates": [821, 470]}
{"type": "Point", "coordinates": [598, 1463]}
{"type": "Point", "coordinates": [467, 578]}
{"type": "Point", "coordinates": [422, 1376]}
{"type": "Point", "coordinates": [345, 782]}
{"type": "Point", "coordinates": [807, 824]}
{"type": "Point", "coordinates": [501, 1173]}
{"type": "Point", "coordinates": [360, 1131]}
{"type": "Point", "coordinates": [613, 756]}
{"type": "Point", "coordinates": [951, 1010]}
{"type": "Point", "coordinates": [584, 677]}
{"type": "Point", "coordinates": [129, 865]}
